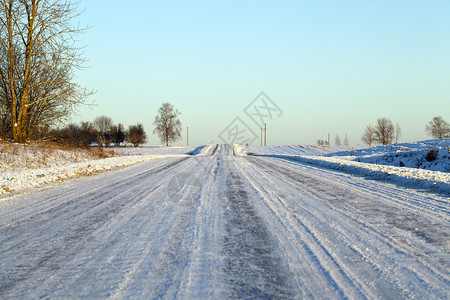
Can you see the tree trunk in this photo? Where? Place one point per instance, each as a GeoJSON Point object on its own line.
{"type": "Point", "coordinates": [12, 64]}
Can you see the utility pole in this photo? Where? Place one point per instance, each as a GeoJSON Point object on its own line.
{"type": "Point", "coordinates": [261, 136]}
{"type": "Point", "coordinates": [265, 134]}
{"type": "Point", "coordinates": [328, 139]}
{"type": "Point", "coordinates": [187, 135]}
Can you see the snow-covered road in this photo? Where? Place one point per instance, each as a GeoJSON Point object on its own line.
{"type": "Point", "coordinates": [216, 226]}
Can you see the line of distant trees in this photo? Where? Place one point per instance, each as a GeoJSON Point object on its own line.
{"type": "Point", "coordinates": [384, 132]}
{"type": "Point", "coordinates": [102, 132]}
{"type": "Point", "coordinates": [337, 141]}
{"type": "Point", "coordinates": [438, 128]}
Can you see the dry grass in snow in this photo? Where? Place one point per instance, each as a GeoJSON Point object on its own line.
{"type": "Point", "coordinates": [16, 157]}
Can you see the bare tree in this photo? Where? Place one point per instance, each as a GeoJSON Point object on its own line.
{"type": "Point", "coordinates": [5, 121]}
{"type": "Point", "coordinates": [337, 140]}
{"type": "Point", "coordinates": [438, 128]}
{"type": "Point", "coordinates": [103, 125]}
{"type": "Point", "coordinates": [398, 133]}
{"type": "Point", "coordinates": [368, 136]}
{"type": "Point", "coordinates": [88, 133]}
{"type": "Point", "coordinates": [168, 126]}
{"type": "Point", "coordinates": [38, 58]}
{"type": "Point", "coordinates": [117, 134]}
{"type": "Point", "coordinates": [136, 135]}
{"type": "Point", "coordinates": [68, 135]}
{"type": "Point", "coordinates": [384, 131]}
{"type": "Point", "coordinates": [346, 140]}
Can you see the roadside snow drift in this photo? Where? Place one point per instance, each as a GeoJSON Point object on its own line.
{"type": "Point", "coordinates": [18, 179]}
{"type": "Point", "coordinates": [407, 164]}
{"type": "Point", "coordinates": [25, 179]}
{"type": "Point", "coordinates": [434, 180]}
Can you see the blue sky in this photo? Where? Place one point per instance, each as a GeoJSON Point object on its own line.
{"type": "Point", "coordinates": [330, 66]}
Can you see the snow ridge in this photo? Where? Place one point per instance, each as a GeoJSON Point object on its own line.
{"type": "Point", "coordinates": [433, 180]}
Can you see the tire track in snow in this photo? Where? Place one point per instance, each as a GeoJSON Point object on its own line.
{"type": "Point", "coordinates": [215, 149]}
{"type": "Point", "coordinates": [202, 278]}
{"type": "Point", "coordinates": [245, 233]}
{"type": "Point", "coordinates": [417, 225]}
{"type": "Point", "coordinates": [172, 261]}
{"type": "Point", "coordinates": [233, 255]}
{"type": "Point", "coordinates": [317, 271]}
{"type": "Point", "coordinates": [253, 270]}
{"type": "Point", "coordinates": [70, 209]}
{"type": "Point", "coordinates": [438, 205]}
{"type": "Point", "coordinates": [155, 257]}
{"type": "Point", "coordinates": [373, 241]}
{"type": "Point", "coordinates": [81, 215]}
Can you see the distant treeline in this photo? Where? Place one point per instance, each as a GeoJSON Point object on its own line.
{"type": "Point", "coordinates": [102, 132]}
{"type": "Point", "coordinates": [384, 132]}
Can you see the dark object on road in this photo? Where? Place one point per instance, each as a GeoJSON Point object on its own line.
{"type": "Point", "coordinates": [431, 155]}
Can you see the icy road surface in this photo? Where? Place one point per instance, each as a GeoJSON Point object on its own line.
{"type": "Point", "coordinates": [220, 226]}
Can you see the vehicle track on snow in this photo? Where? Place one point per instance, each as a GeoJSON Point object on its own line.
{"type": "Point", "coordinates": [417, 225]}
{"type": "Point", "coordinates": [218, 226]}
{"type": "Point", "coordinates": [215, 149]}
{"type": "Point", "coordinates": [253, 269]}
{"type": "Point", "coordinates": [66, 242]}
{"type": "Point", "coordinates": [439, 206]}
{"type": "Point", "coordinates": [66, 209]}
{"type": "Point", "coordinates": [301, 219]}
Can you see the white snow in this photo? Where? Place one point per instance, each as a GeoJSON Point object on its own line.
{"type": "Point", "coordinates": [412, 155]}
{"type": "Point", "coordinates": [18, 181]}
{"type": "Point", "coordinates": [156, 150]}
{"type": "Point", "coordinates": [380, 162]}
{"type": "Point", "coordinates": [213, 222]}
{"type": "Point", "coordinates": [19, 178]}
{"type": "Point", "coordinates": [404, 164]}
{"type": "Point", "coordinates": [297, 149]}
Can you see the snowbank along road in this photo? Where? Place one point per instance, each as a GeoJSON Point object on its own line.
{"type": "Point", "coordinates": [216, 225]}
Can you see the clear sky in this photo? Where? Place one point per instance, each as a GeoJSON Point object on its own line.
{"type": "Point", "coordinates": [330, 66]}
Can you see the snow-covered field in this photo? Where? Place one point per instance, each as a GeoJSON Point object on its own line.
{"type": "Point", "coordinates": [17, 157]}
{"type": "Point", "coordinates": [24, 170]}
{"type": "Point", "coordinates": [213, 223]}
{"type": "Point", "coordinates": [411, 155]}
{"type": "Point", "coordinates": [406, 164]}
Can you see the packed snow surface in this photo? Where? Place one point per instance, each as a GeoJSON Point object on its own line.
{"type": "Point", "coordinates": [213, 223]}
{"type": "Point", "coordinates": [157, 150]}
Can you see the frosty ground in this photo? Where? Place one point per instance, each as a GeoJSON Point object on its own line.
{"type": "Point", "coordinates": [213, 222]}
